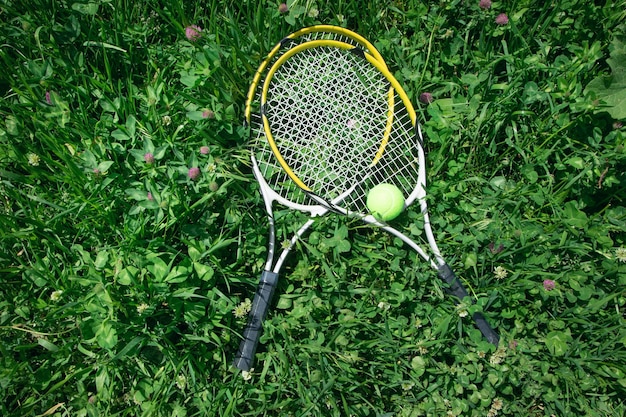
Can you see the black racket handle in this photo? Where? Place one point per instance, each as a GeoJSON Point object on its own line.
{"type": "Point", "coordinates": [252, 333]}
{"type": "Point", "coordinates": [457, 289]}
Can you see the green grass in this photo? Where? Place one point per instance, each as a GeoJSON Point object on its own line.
{"type": "Point", "coordinates": [118, 277]}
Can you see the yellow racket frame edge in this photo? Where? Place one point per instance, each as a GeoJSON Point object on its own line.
{"type": "Point", "coordinates": [305, 31]}
{"type": "Point", "coordinates": [395, 86]}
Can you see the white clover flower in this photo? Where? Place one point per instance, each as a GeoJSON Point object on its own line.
{"type": "Point", "coordinates": [56, 295]}
{"type": "Point", "coordinates": [498, 356]}
{"type": "Point", "coordinates": [247, 375]}
{"type": "Point", "coordinates": [407, 385]}
{"type": "Point", "coordinates": [500, 273]}
{"type": "Point", "coordinates": [243, 308]}
{"type": "Point", "coordinates": [33, 159]}
{"type": "Point", "coordinates": [142, 307]}
{"type": "Point", "coordinates": [384, 306]}
{"type": "Point", "coordinates": [620, 254]}
{"type": "Point", "coordinates": [495, 360]}
{"type": "Point", "coordinates": [497, 404]}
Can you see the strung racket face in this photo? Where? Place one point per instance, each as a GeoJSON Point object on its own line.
{"type": "Point", "coordinates": [338, 123]}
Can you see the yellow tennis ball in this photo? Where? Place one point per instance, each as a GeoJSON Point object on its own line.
{"type": "Point", "coordinates": [385, 201]}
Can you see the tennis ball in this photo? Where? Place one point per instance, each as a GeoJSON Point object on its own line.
{"type": "Point", "coordinates": [385, 201]}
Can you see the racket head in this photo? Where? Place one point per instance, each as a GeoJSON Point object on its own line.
{"type": "Point", "coordinates": [339, 123]}
{"type": "Point", "coordinates": [274, 182]}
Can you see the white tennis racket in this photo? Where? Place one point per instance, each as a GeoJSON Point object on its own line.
{"type": "Point", "coordinates": [275, 185]}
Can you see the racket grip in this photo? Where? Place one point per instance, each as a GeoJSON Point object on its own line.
{"type": "Point", "coordinates": [457, 289]}
{"type": "Point", "coordinates": [253, 330]}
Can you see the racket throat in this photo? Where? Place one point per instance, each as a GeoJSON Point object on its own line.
{"type": "Point", "coordinates": [330, 205]}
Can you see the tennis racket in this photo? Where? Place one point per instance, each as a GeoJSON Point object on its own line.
{"type": "Point", "coordinates": [275, 185]}
{"type": "Point", "coordinates": [336, 133]}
